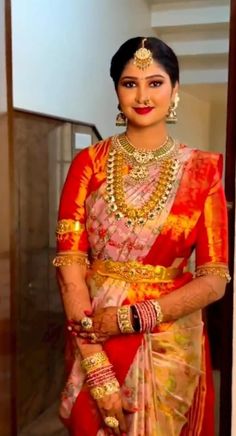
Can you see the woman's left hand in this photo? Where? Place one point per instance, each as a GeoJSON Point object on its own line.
{"type": "Point", "coordinates": [104, 325]}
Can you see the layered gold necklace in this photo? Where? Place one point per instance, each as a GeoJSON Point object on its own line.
{"type": "Point", "coordinates": [115, 192]}
{"type": "Point", "coordinates": [142, 159]}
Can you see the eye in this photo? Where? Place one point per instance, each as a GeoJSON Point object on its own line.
{"type": "Point", "coordinates": [155, 83]}
{"type": "Point", "coordinates": [128, 84]}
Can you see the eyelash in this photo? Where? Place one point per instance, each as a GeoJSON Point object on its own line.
{"type": "Point", "coordinates": [153, 84]}
{"type": "Point", "coordinates": [156, 83]}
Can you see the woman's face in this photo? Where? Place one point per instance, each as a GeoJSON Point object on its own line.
{"type": "Point", "coordinates": [145, 96]}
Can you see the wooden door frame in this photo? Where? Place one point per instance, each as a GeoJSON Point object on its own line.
{"type": "Point", "coordinates": [13, 314]}
{"type": "Point", "coordinates": [227, 302]}
{"type": "Point", "coordinates": [8, 422]}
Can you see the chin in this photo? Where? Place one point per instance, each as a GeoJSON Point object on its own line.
{"type": "Point", "coordinates": [145, 123]}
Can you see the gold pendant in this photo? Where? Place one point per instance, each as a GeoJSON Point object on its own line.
{"type": "Point", "coordinates": [139, 173]}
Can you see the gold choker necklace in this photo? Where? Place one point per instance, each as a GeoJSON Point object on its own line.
{"type": "Point", "coordinates": [144, 157]}
{"type": "Point", "coordinates": [115, 192]}
{"type": "Point", "coordinates": [140, 160]}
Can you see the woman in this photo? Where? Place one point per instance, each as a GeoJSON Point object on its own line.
{"type": "Point", "coordinates": [133, 209]}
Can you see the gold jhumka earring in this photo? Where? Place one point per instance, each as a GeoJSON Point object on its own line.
{"type": "Point", "coordinates": [120, 118]}
{"type": "Point", "coordinates": [143, 57]}
{"type": "Point", "coordinates": [171, 117]}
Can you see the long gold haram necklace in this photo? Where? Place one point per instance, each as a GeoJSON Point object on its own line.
{"type": "Point", "coordinates": [115, 193]}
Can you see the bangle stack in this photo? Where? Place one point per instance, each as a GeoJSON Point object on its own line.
{"type": "Point", "coordinates": [140, 317]}
{"type": "Point", "coordinates": [124, 319]}
{"type": "Point", "coordinates": [100, 377]}
{"type": "Point", "coordinates": [94, 361]}
{"type": "Point", "coordinates": [150, 315]}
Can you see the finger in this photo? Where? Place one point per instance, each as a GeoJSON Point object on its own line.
{"type": "Point", "coordinates": [116, 431]}
{"type": "Point", "coordinates": [74, 328]}
{"type": "Point", "coordinates": [88, 312]}
{"type": "Point", "coordinates": [113, 430]}
{"type": "Point", "coordinates": [101, 338]}
{"type": "Point", "coordinates": [121, 418]}
{"type": "Point", "coordinates": [84, 335]}
{"type": "Point", "coordinates": [128, 408]}
{"type": "Point", "coordinates": [93, 337]}
{"type": "Point", "coordinates": [107, 430]}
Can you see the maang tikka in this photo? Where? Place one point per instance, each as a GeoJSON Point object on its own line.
{"type": "Point", "coordinates": [143, 57]}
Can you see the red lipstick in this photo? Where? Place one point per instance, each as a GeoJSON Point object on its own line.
{"type": "Point", "coordinates": [143, 110]}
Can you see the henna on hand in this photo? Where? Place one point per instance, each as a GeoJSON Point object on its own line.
{"type": "Point", "coordinates": [195, 295]}
{"type": "Point", "coordinates": [104, 325]}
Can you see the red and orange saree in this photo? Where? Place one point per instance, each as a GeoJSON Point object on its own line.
{"type": "Point", "coordinates": [164, 375]}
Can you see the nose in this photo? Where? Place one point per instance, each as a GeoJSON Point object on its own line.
{"type": "Point", "coordinates": [141, 95]}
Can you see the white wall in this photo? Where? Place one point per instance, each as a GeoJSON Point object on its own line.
{"type": "Point", "coordinates": [62, 51]}
{"type": "Point", "coordinates": [218, 126]}
{"type": "Point", "coordinates": [192, 127]}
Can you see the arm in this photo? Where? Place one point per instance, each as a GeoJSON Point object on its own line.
{"type": "Point", "coordinates": [193, 296]}
{"type": "Point", "coordinates": [76, 300]}
{"type": "Point", "coordinates": [71, 260]}
{"type": "Point", "coordinates": [72, 244]}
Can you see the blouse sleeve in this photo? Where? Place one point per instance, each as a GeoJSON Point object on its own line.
{"type": "Point", "coordinates": [212, 228]}
{"type": "Point", "coordinates": [71, 231]}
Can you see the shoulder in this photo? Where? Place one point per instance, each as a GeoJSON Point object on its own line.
{"type": "Point", "coordinates": [205, 162]}
{"type": "Point", "coordinates": [90, 155]}
{"type": "Point", "coordinates": [211, 162]}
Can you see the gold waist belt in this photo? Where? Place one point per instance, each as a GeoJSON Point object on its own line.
{"type": "Point", "coordinates": [133, 271]}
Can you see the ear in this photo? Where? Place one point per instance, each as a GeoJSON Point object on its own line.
{"type": "Point", "coordinates": [175, 90]}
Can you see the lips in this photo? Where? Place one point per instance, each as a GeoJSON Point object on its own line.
{"type": "Point", "coordinates": [143, 110]}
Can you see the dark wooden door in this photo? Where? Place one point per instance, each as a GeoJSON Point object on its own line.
{"type": "Point", "coordinates": [227, 302]}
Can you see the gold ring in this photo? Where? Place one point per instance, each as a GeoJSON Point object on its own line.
{"type": "Point", "coordinates": [111, 421]}
{"type": "Point", "coordinates": [86, 323]}
{"type": "Point", "coordinates": [93, 336]}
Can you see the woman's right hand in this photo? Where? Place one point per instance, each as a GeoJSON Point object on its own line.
{"type": "Point", "coordinates": [111, 405]}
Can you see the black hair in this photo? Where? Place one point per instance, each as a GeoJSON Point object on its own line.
{"type": "Point", "coordinates": [161, 53]}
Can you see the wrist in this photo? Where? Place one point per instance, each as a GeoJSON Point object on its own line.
{"type": "Point", "coordinates": [100, 376]}
{"type": "Point", "coordinates": [150, 315]}
{"type": "Point", "coordinates": [125, 319]}
{"type": "Point", "coordinates": [135, 319]}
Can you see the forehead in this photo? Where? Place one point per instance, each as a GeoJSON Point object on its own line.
{"type": "Point", "coordinates": [132, 70]}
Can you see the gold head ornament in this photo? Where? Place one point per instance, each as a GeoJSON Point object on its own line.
{"type": "Point", "coordinates": [143, 57]}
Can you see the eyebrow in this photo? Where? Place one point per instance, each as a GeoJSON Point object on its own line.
{"type": "Point", "coordinates": [148, 77]}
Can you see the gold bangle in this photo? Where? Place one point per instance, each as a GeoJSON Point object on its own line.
{"type": "Point", "coordinates": [95, 361]}
{"type": "Point", "coordinates": [69, 226]}
{"type": "Point", "coordinates": [215, 270]}
{"type": "Point", "coordinates": [70, 259]}
{"type": "Point", "coordinates": [106, 389]}
{"type": "Point", "coordinates": [124, 319]}
{"type": "Point", "coordinates": [159, 314]}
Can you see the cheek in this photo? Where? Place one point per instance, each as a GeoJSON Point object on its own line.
{"type": "Point", "coordinates": [162, 95]}
{"type": "Point", "coordinates": [124, 99]}
{"type": "Point", "coordinates": [125, 96]}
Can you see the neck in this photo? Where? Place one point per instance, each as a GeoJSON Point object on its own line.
{"type": "Point", "coordinates": [150, 137]}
